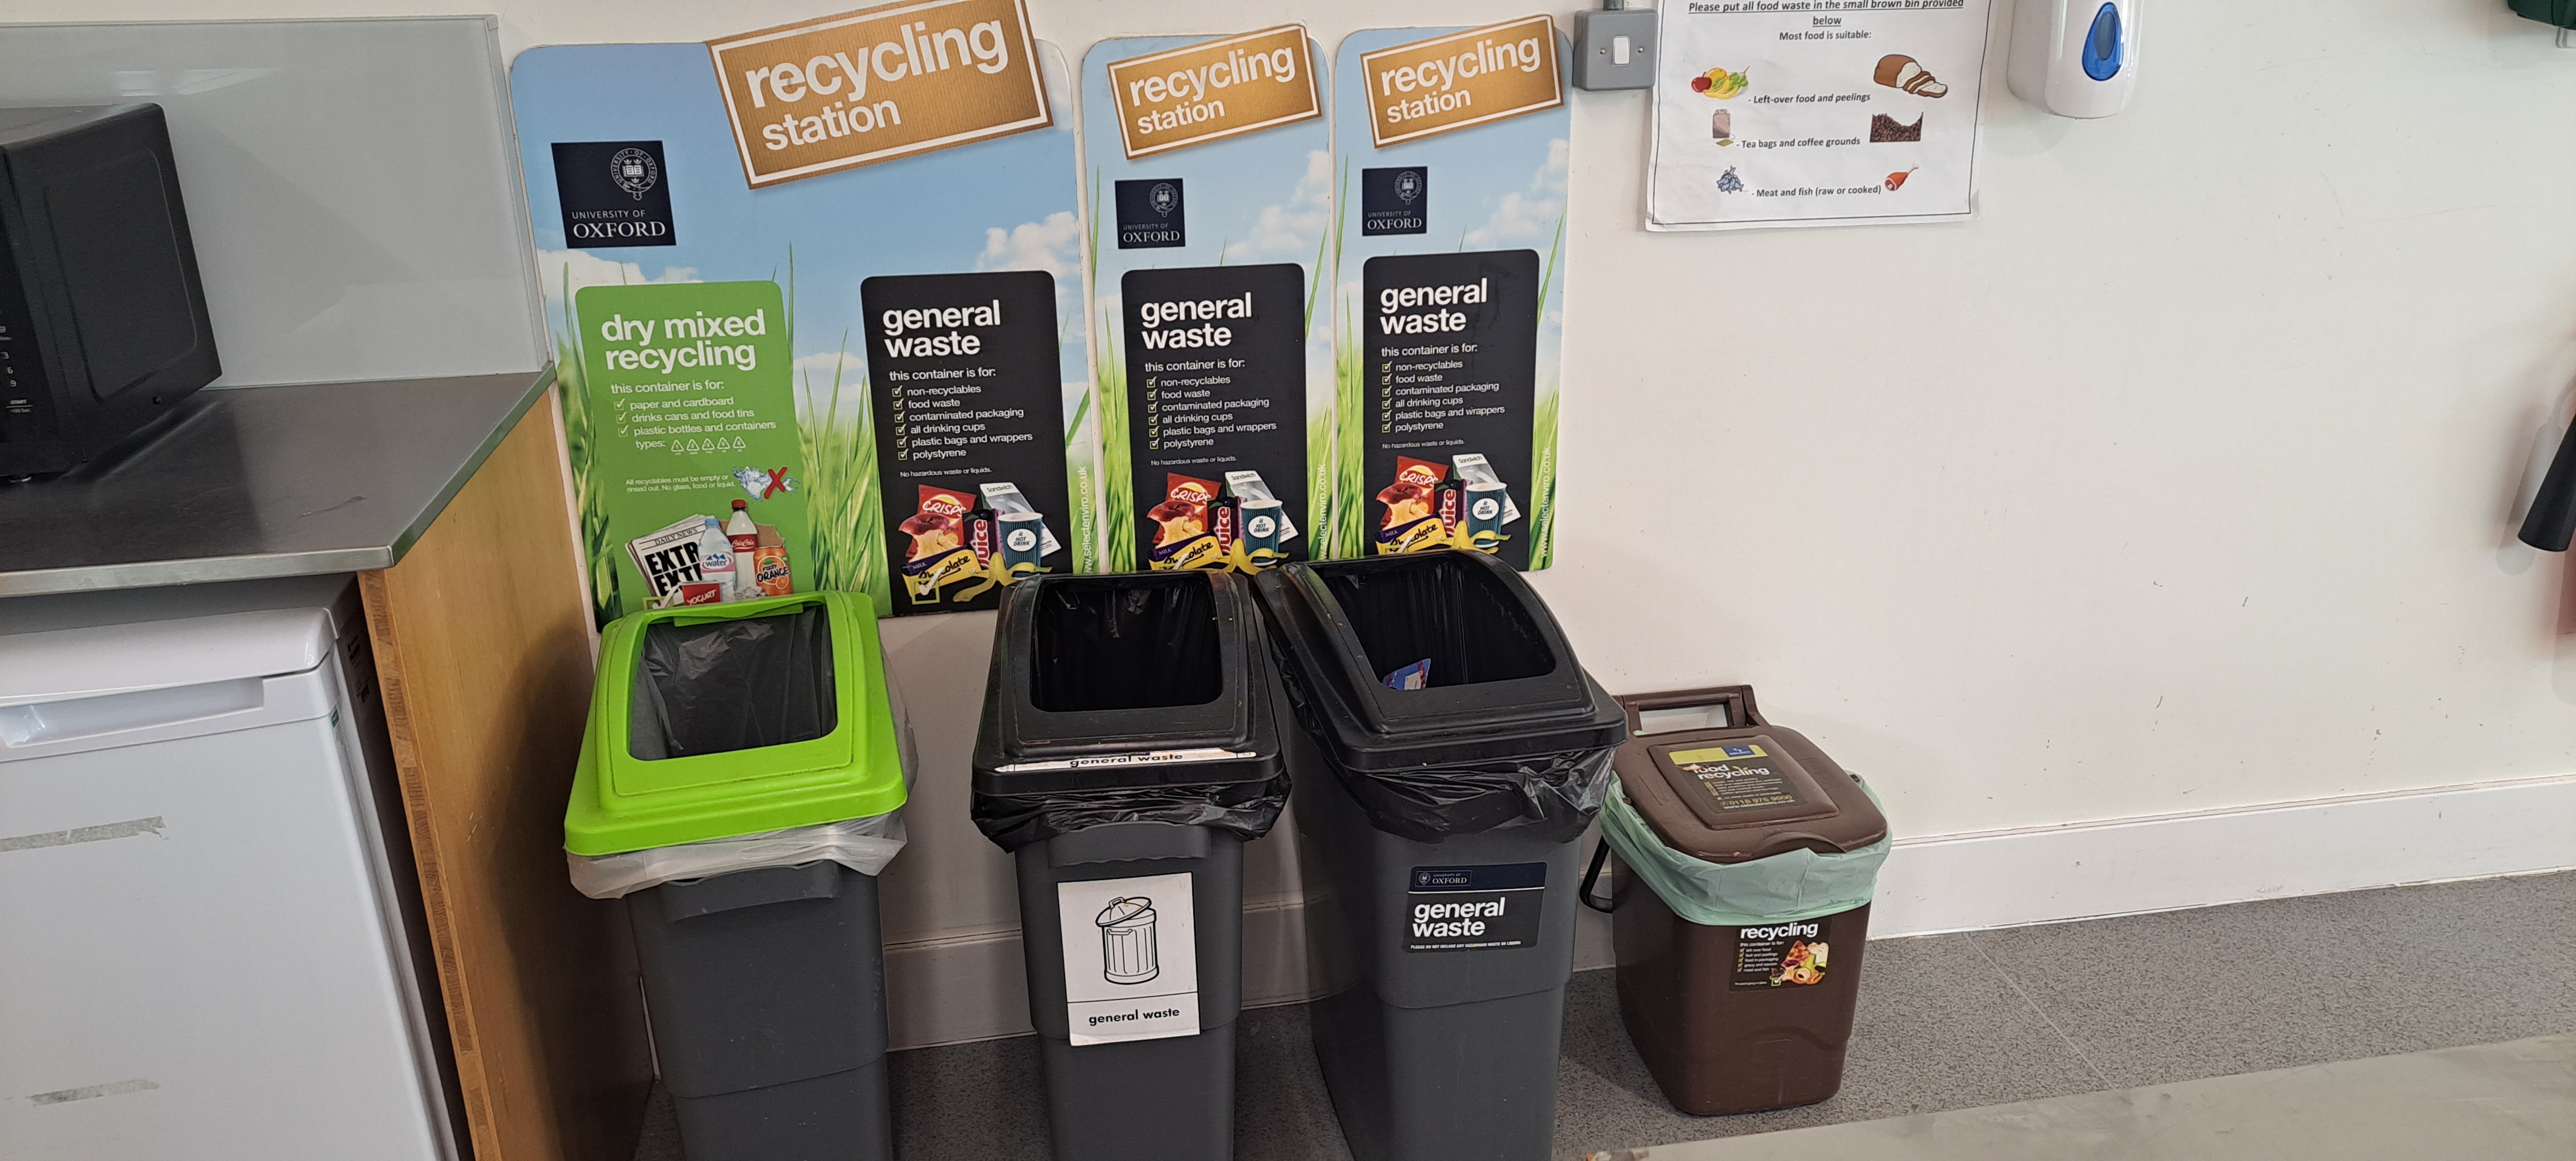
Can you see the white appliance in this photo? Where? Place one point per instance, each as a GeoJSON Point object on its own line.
{"type": "Point", "coordinates": [208, 948]}
{"type": "Point", "coordinates": [2075, 58]}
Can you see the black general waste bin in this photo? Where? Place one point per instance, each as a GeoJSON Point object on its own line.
{"type": "Point", "coordinates": [1437, 831]}
{"type": "Point", "coordinates": [1130, 744]}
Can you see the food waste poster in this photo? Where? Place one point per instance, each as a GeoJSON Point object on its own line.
{"type": "Point", "coordinates": [1449, 254]}
{"type": "Point", "coordinates": [1210, 292]}
{"type": "Point", "coordinates": [885, 363]}
{"type": "Point", "coordinates": [1815, 112]}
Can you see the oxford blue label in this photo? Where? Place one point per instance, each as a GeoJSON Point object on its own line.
{"type": "Point", "coordinates": [613, 193]}
{"type": "Point", "coordinates": [1151, 214]}
{"type": "Point", "coordinates": [1395, 201]}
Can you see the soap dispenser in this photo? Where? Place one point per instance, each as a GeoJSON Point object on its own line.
{"type": "Point", "coordinates": [2075, 58]}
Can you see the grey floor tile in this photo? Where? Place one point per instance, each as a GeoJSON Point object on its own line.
{"type": "Point", "coordinates": [1937, 1028]}
{"type": "Point", "coordinates": [974, 1102]}
{"type": "Point", "coordinates": [2154, 999]}
{"type": "Point", "coordinates": [1281, 1111]}
{"type": "Point", "coordinates": [661, 1138]}
{"type": "Point", "coordinates": [2514, 1101]}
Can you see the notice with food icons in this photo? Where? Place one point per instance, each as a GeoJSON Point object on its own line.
{"type": "Point", "coordinates": [1815, 112]}
{"type": "Point", "coordinates": [1777, 955]}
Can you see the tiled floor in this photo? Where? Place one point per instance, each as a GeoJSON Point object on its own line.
{"type": "Point", "coordinates": [2514, 1101]}
{"type": "Point", "coordinates": [1945, 1023]}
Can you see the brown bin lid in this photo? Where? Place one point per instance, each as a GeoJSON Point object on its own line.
{"type": "Point", "coordinates": [1742, 791]}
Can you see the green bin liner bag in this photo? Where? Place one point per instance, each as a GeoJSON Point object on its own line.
{"type": "Point", "coordinates": [1798, 884]}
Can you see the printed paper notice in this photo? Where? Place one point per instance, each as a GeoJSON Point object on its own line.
{"type": "Point", "coordinates": [1815, 112]}
{"type": "Point", "coordinates": [1131, 962]}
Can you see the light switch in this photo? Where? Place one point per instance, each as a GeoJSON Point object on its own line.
{"type": "Point", "coordinates": [1614, 49]}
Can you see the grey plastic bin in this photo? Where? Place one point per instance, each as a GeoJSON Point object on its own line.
{"type": "Point", "coordinates": [1130, 731]}
{"type": "Point", "coordinates": [1437, 834]}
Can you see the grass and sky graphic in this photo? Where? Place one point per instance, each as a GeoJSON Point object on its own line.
{"type": "Point", "coordinates": [1012, 203]}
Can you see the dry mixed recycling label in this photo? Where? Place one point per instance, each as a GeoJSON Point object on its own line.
{"type": "Point", "coordinates": [1780, 955]}
{"type": "Point", "coordinates": [1478, 908]}
{"type": "Point", "coordinates": [1214, 90]}
{"type": "Point", "coordinates": [899, 79]}
{"type": "Point", "coordinates": [1131, 964]}
{"type": "Point", "coordinates": [1462, 79]}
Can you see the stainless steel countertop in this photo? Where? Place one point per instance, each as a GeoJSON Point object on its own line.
{"type": "Point", "coordinates": [253, 482]}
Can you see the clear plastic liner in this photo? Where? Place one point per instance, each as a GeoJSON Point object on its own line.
{"type": "Point", "coordinates": [1799, 884]}
{"type": "Point", "coordinates": [864, 845]}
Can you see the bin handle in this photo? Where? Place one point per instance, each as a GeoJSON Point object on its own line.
{"type": "Point", "coordinates": [1600, 855]}
{"type": "Point", "coordinates": [1738, 700]}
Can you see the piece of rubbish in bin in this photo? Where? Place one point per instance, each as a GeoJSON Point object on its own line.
{"type": "Point", "coordinates": [1005, 498]}
{"type": "Point", "coordinates": [1473, 469]}
{"type": "Point", "coordinates": [1414, 676]}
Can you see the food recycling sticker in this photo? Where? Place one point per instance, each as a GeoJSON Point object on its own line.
{"type": "Point", "coordinates": [1131, 965]}
{"type": "Point", "coordinates": [1474, 908]}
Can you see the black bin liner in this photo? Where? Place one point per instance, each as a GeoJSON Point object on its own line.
{"type": "Point", "coordinates": [1126, 643]}
{"type": "Point", "coordinates": [1103, 646]}
{"type": "Point", "coordinates": [1473, 629]}
{"type": "Point", "coordinates": [1248, 809]}
{"type": "Point", "coordinates": [1554, 794]}
{"type": "Point", "coordinates": [1458, 617]}
{"type": "Point", "coordinates": [711, 687]}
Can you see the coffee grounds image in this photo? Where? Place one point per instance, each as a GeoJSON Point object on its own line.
{"type": "Point", "coordinates": [1885, 128]}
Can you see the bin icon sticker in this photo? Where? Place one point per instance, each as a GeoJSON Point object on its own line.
{"type": "Point", "coordinates": [1127, 952]}
{"type": "Point", "coordinates": [1130, 958]}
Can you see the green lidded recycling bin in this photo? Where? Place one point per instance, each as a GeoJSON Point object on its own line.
{"type": "Point", "coordinates": [738, 785]}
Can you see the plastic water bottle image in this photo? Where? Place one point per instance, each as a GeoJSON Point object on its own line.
{"type": "Point", "coordinates": [1127, 951]}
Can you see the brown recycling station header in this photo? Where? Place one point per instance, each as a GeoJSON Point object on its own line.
{"type": "Point", "coordinates": [1462, 79]}
{"type": "Point", "coordinates": [1214, 90]}
{"type": "Point", "coordinates": [838, 91]}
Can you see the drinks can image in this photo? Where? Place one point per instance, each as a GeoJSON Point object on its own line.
{"type": "Point", "coordinates": [1127, 951]}
{"type": "Point", "coordinates": [1262, 523]}
{"type": "Point", "coordinates": [1485, 509]}
{"type": "Point", "coordinates": [1023, 539]}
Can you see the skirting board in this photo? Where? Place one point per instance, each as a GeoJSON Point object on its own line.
{"type": "Point", "coordinates": [973, 987]}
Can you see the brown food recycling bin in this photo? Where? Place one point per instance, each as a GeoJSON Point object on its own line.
{"type": "Point", "coordinates": [1739, 1019]}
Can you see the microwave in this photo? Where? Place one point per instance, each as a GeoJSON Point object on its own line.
{"type": "Point", "coordinates": [103, 324]}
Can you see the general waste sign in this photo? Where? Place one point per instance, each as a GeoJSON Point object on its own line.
{"type": "Point", "coordinates": [1214, 90]}
{"type": "Point", "coordinates": [877, 84]}
{"type": "Point", "coordinates": [1462, 79]}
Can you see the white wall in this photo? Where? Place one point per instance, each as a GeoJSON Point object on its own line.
{"type": "Point", "coordinates": [2181, 478]}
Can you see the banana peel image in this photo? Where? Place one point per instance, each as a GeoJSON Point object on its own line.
{"type": "Point", "coordinates": [1903, 73]}
{"type": "Point", "coordinates": [1720, 84]}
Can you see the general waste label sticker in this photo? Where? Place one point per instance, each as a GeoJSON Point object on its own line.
{"type": "Point", "coordinates": [1781, 955]}
{"type": "Point", "coordinates": [1478, 908]}
{"type": "Point", "coordinates": [1130, 958]}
